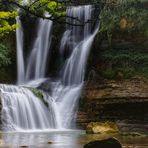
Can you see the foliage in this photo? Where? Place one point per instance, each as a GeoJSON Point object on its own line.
{"type": "Point", "coordinates": [113, 73]}
{"type": "Point", "coordinates": [125, 62]}
{"type": "Point", "coordinates": [120, 16]}
{"type": "Point", "coordinates": [37, 8]}
{"type": "Point", "coordinates": [54, 8]}
{"type": "Point", "coordinates": [4, 56]}
{"type": "Point", "coordinates": [39, 94]}
{"type": "Point", "coordinates": [5, 22]}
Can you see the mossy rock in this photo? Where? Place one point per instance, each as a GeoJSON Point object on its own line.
{"type": "Point", "coordinates": [39, 94]}
{"type": "Point", "coordinates": [101, 128]}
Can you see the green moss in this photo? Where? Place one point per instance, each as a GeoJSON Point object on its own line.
{"type": "Point", "coordinates": [39, 94]}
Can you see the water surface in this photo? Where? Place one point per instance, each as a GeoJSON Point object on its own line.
{"type": "Point", "coordinates": [63, 139]}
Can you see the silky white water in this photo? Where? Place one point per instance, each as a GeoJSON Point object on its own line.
{"type": "Point", "coordinates": [34, 67]}
{"type": "Point", "coordinates": [20, 54]}
{"type": "Point", "coordinates": [21, 108]}
{"type": "Point", "coordinates": [68, 89]}
{"type": "Point", "coordinates": [37, 61]}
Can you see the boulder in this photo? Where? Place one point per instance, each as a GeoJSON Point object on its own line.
{"type": "Point", "coordinates": [101, 128]}
{"type": "Point", "coordinates": [107, 143]}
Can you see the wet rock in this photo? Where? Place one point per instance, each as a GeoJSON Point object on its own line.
{"type": "Point", "coordinates": [107, 143]}
{"type": "Point", "coordinates": [49, 142]}
{"type": "Point", "coordinates": [100, 128]}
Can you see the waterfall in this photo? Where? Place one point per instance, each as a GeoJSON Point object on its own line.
{"type": "Point", "coordinates": [35, 65]}
{"type": "Point", "coordinates": [21, 108]}
{"type": "Point", "coordinates": [78, 39]}
{"type": "Point", "coordinates": [20, 56]}
{"type": "Point", "coordinates": [37, 60]}
{"type": "Point", "coordinates": [81, 39]}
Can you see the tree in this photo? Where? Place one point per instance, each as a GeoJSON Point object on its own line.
{"type": "Point", "coordinates": [6, 23]}
{"type": "Point", "coordinates": [123, 16]}
{"type": "Point", "coordinates": [9, 10]}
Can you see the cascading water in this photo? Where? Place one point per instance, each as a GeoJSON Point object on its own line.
{"type": "Point", "coordinates": [37, 61]}
{"type": "Point", "coordinates": [79, 39]}
{"type": "Point", "coordinates": [20, 56]}
{"type": "Point", "coordinates": [35, 67]}
{"type": "Point", "coordinates": [21, 108]}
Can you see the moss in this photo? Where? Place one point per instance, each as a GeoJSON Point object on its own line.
{"type": "Point", "coordinates": [102, 127]}
{"type": "Point", "coordinates": [39, 94]}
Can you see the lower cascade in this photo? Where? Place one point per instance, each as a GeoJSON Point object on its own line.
{"type": "Point", "coordinates": [22, 109]}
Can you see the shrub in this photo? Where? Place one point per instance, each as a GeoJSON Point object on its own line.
{"type": "Point", "coordinates": [4, 56]}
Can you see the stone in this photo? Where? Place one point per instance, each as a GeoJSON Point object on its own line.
{"type": "Point", "coordinates": [107, 143]}
{"type": "Point", "coordinates": [101, 128]}
{"type": "Point", "coordinates": [49, 142]}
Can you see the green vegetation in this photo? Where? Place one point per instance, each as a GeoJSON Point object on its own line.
{"type": "Point", "coordinates": [122, 18]}
{"type": "Point", "coordinates": [124, 32]}
{"type": "Point", "coordinates": [4, 56]}
{"type": "Point", "coordinates": [54, 8]}
{"type": "Point", "coordinates": [39, 94]}
{"type": "Point", "coordinates": [6, 23]}
{"type": "Point", "coordinates": [125, 62]}
{"type": "Point", "coordinates": [37, 9]}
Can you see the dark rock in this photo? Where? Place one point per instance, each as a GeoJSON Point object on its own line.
{"type": "Point", "coordinates": [49, 142]}
{"type": "Point", "coordinates": [107, 143]}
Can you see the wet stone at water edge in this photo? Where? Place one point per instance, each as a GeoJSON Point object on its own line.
{"type": "Point", "coordinates": [107, 143]}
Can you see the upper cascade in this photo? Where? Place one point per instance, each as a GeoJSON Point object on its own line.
{"type": "Point", "coordinates": [34, 67]}
{"type": "Point", "coordinates": [78, 39]}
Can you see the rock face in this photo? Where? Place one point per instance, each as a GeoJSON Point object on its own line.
{"type": "Point", "coordinates": [124, 100]}
{"type": "Point", "coordinates": [107, 143]}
